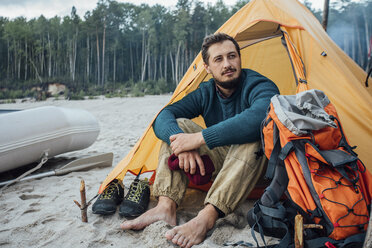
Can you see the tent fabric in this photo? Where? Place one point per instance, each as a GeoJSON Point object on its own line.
{"type": "Point", "coordinates": [285, 42]}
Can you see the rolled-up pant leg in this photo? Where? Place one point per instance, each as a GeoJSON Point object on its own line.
{"type": "Point", "coordinates": [239, 174]}
{"type": "Point", "coordinates": [173, 184]}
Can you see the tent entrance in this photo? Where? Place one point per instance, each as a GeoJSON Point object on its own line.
{"type": "Point", "coordinates": [270, 58]}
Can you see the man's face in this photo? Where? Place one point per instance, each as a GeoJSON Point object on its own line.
{"type": "Point", "coordinates": [224, 64]}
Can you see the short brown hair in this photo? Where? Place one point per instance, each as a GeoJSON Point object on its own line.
{"type": "Point", "coordinates": [213, 39]}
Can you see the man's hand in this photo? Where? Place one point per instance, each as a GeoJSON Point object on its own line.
{"type": "Point", "coordinates": [184, 142]}
{"type": "Point", "coordinates": [189, 160]}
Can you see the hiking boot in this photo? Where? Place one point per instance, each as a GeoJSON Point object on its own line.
{"type": "Point", "coordinates": [109, 199]}
{"type": "Point", "coordinates": [136, 200]}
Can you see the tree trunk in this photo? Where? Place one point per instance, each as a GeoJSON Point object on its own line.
{"type": "Point", "coordinates": [70, 56]}
{"type": "Point", "coordinates": [15, 60]}
{"type": "Point", "coordinates": [359, 43]}
{"type": "Point", "coordinates": [155, 68]}
{"type": "Point", "coordinates": [172, 66]}
{"type": "Point", "coordinates": [143, 57]}
{"type": "Point", "coordinates": [114, 66]}
{"type": "Point", "coordinates": [49, 58]}
{"type": "Point", "coordinates": [160, 67]}
{"type": "Point", "coordinates": [75, 54]}
{"type": "Point", "coordinates": [103, 50]}
{"type": "Point", "coordinates": [144, 68]}
{"type": "Point", "coordinates": [177, 62]}
{"type": "Point", "coordinates": [367, 35]}
{"type": "Point", "coordinates": [131, 60]}
{"type": "Point", "coordinates": [88, 64]}
{"type": "Point", "coordinates": [19, 61]}
{"type": "Point", "coordinates": [57, 69]}
{"type": "Point", "coordinates": [346, 44]}
{"type": "Point", "coordinates": [325, 14]}
{"type": "Point", "coordinates": [36, 72]}
{"type": "Point", "coordinates": [353, 56]}
{"type": "Point", "coordinates": [8, 67]}
{"type": "Point", "coordinates": [98, 60]}
{"type": "Point", "coordinates": [149, 75]}
{"type": "Point", "coordinates": [26, 53]}
{"type": "Point", "coordinates": [165, 65]}
{"type": "Point", "coordinates": [91, 70]}
{"type": "Point", "coordinates": [42, 57]}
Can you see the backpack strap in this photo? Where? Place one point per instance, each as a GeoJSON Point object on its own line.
{"type": "Point", "coordinates": [273, 160]}
{"type": "Point", "coordinates": [277, 187]}
{"type": "Point", "coordinates": [270, 221]}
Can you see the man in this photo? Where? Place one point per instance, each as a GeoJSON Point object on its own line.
{"type": "Point", "coordinates": [233, 104]}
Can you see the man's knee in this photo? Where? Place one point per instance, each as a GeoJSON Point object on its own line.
{"type": "Point", "coordinates": [188, 126]}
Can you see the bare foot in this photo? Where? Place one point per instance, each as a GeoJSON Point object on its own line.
{"type": "Point", "coordinates": [165, 210]}
{"type": "Point", "coordinates": [194, 231]}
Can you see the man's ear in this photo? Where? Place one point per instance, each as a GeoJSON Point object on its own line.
{"type": "Point", "coordinates": [206, 68]}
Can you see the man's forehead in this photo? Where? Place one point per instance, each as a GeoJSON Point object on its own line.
{"type": "Point", "coordinates": [221, 48]}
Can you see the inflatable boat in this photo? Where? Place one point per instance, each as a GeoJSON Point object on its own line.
{"type": "Point", "coordinates": [27, 135]}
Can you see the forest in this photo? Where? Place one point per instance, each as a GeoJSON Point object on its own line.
{"type": "Point", "coordinates": [121, 48]}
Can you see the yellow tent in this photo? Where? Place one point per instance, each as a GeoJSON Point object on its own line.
{"type": "Point", "coordinates": [285, 42]}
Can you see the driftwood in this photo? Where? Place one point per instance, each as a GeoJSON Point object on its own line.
{"type": "Point", "coordinates": [299, 230]}
{"type": "Point", "coordinates": [83, 206]}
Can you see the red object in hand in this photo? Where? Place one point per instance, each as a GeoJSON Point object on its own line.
{"type": "Point", "coordinates": [329, 245]}
{"type": "Point", "coordinates": [196, 178]}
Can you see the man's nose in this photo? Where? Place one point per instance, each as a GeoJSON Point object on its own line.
{"type": "Point", "coordinates": [226, 63]}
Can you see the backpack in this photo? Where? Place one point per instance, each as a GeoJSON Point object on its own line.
{"type": "Point", "coordinates": [313, 165]}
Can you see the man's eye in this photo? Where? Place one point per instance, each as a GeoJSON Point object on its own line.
{"type": "Point", "coordinates": [231, 56]}
{"type": "Point", "coordinates": [217, 59]}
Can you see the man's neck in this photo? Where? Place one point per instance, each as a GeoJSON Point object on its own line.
{"type": "Point", "coordinates": [225, 93]}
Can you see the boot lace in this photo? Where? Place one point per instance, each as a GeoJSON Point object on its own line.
{"type": "Point", "coordinates": [136, 190]}
{"type": "Point", "coordinates": [109, 191]}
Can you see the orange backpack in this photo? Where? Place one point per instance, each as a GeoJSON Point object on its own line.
{"type": "Point", "coordinates": [311, 162]}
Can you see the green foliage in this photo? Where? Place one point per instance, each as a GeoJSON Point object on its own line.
{"type": "Point", "coordinates": [77, 96]}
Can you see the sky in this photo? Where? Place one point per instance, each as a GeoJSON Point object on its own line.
{"type": "Point", "coordinates": [50, 8]}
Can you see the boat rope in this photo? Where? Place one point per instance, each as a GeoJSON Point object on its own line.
{"type": "Point", "coordinates": [43, 160]}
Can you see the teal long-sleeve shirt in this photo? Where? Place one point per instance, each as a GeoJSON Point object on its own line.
{"type": "Point", "coordinates": [232, 120]}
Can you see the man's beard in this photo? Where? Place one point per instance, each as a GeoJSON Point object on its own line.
{"type": "Point", "coordinates": [229, 85]}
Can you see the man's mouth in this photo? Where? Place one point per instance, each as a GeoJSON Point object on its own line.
{"type": "Point", "coordinates": [228, 72]}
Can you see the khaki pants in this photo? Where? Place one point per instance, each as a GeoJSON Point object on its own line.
{"type": "Point", "coordinates": [237, 170]}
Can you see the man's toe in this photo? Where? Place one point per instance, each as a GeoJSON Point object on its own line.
{"type": "Point", "coordinates": [170, 234]}
{"type": "Point", "coordinates": [180, 241]}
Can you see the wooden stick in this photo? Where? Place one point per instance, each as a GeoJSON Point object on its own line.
{"type": "Point", "coordinates": [77, 203]}
{"type": "Point", "coordinates": [83, 208]}
{"type": "Point", "coordinates": [313, 226]}
{"type": "Point", "coordinates": [299, 231]}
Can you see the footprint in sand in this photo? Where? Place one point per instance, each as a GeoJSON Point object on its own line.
{"type": "Point", "coordinates": [28, 197]}
{"type": "Point", "coordinates": [30, 211]}
{"type": "Point", "coordinates": [48, 219]}
{"type": "Point", "coordinates": [26, 190]}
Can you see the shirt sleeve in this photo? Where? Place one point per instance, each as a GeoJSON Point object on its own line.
{"type": "Point", "coordinates": [189, 107]}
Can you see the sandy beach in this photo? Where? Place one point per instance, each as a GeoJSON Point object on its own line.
{"type": "Point", "coordinates": [41, 213]}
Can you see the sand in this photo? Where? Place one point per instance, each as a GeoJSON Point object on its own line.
{"type": "Point", "coordinates": [41, 213]}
